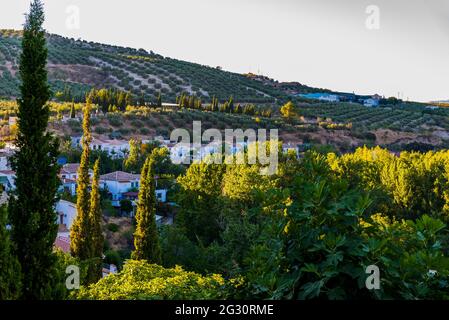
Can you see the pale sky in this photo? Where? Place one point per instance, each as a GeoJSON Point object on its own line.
{"type": "Point", "coordinates": [321, 43]}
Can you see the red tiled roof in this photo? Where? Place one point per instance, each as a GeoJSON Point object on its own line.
{"type": "Point", "coordinates": [8, 172]}
{"type": "Point", "coordinates": [70, 168]}
{"type": "Point", "coordinates": [131, 194]}
{"type": "Point", "coordinates": [62, 243]}
{"type": "Point", "coordinates": [120, 176]}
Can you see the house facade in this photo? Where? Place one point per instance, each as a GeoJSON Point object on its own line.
{"type": "Point", "coordinates": [123, 185]}
{"type": "Point", "coordinates": [68, 176]}
{"type": "Point", "coordinates": [7, 179]}
{"type": "Point", "coordinates": [66, 213]}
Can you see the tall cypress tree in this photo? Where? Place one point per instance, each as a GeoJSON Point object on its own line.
{"type": "Point", "coordinates": [159, 100]}
{"type": "Point", "coordinates": [146, 238]}
{"type": "Point", "coordinates": [32, 213]}
{"type": "Point", "coordinates": [72, 110]}
{"type": "Point", "coordinates": [96, 238]}
{"type": "Point", "coordinates": [79, 233]}
{"type": "Point", "coordinates": [9, 265]}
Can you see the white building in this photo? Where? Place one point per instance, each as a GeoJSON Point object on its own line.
{"type": "Point", "coordinates": [114, 148]}
{"type": "Point", "coordinates": [66, 213]}
{"type": "Point", "coordinates": [117, 148]}
{"type": "Point", "coordinates": [123, 185]}
{"type": "Point", "coordinates": [4, 155]}
{"type": "Point", "coordinates": [371, 102]}
{"type": "Point", "coordinates": [118, 183]}
{"type": "Point", "coordinates": [321, 96]}
{"type": "Point", "coordinates": [7, 179]}
{"type": "Point", "coordinates": [68, 176]}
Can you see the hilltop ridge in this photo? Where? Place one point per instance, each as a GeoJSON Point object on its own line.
{"type": "Point", "coordinates": [82, 65]}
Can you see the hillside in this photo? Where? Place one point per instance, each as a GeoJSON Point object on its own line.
{"type": "Point", "coordinates": [81, 65]}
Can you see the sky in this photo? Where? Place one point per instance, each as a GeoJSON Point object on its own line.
{"type": "Point", "coordinates": [390, 47]}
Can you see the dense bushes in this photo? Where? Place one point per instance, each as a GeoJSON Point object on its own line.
{"type": "Point", "coordinates": [143, 281]}
{"type": "Point", "coordinates": [312, 230]}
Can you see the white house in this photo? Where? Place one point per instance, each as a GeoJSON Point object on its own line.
{"type": "Point", "coordinates": [7, 179]}
{"type": "Point", "coordinates": [70, 171]}
{"type": "Point", "coordinates": [117, 148]}
{"type": "Point", "coordinates": [371, 102]}
{"type": "Point", "coordinates": [4, 155]}
{"type": "Point", "coordinates": [123, 185]}
{"type": "Point", "coordinates": [118, 183]}
{"type": "Point", "coordinates": [114, 148]}
{"type": "Point", "coordinates": [68, 176]}
{"type": "Point", "coordinates": [321, 96]}
{"type": "Point", "coordinates": [66, 213]}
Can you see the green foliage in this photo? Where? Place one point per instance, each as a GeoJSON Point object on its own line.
{"type": "Point", "coordinates": [412, 184]}
{"type": "Point", "coordinates": [95, 233]}
{"type": "Point", "coordinates": [198, 200]}
{"type": "Point", "coordinates": [146, 237]}
{"type": "Point", "coordinates": [113, 227]}
{"type": "Point", "coordinates": [80, 230]}
{"type": "Point", "coordinates": [140, 280]}
{"type": "Point", "coordinates": [86, 238]}
{"type": "Point", "coordinates": [126, 206]}
{"type": "Point", "coordinates": [10, 277]}
{"type": "Point", "coordinates": [31, 206]}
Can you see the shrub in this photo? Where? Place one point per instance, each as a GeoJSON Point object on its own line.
{"type": "Point", "coordinates": [144, 281]}
{"type": "Point", "coordinates": [113, 227]}
{"type": "Point", "coordinates": [144, 131]}
{"type": "Point", "coordinates": [113, 257]}
{"type": "Point", "coordinates": [100, 130]}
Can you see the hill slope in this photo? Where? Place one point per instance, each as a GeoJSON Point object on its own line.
{"type": "Point", "coordinates": [82, 65]}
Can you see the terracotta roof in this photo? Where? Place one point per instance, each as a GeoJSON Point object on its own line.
{"type": "Point", "coordinates": [8, 172]}
{"type": "Point", "coordinates": [65, 180]}
{"type": "Point", "coordinates": [120, 176]}
{"type": "Point", "coordinates": [70, 168]}
{"type": "Point", "coordinates": [131, 194]}
{"type": "Point", "coordinates": [62, 243]}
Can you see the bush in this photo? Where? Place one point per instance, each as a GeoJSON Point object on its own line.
{"type": "Point", "coordinates": [113, 227]}
{"type": "Point", "coordinates": [115, 121]}
{"type": "Point", "coordinates": [100, 130]}
{"type": "Point", "coordinates": [144, 131]}
{"type": "Point", "coordinates": [143, 281]}
{"type": "Point", "coordinates": [113, 257]}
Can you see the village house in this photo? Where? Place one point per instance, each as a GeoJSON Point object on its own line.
{"type": "Point", "coordinates": [4, 164]}
{"type": "Point", "coordinates": [371, 102]}
{"type": "Point", "coordinates": [68, 176]}
{"type": "Point", "coordinates": [7, 179]}
{"type": "Point", "coordinates": [123, 185]}
{"type": "Point", "coordinates": [115, 148]}
{"type": "Point", "coordinates": [321, 96]}
{"type": "Point", "coordinates": [66, 213]}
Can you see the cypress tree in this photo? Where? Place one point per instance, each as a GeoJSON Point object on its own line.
{"type": "Point", "coordinates": [146, 238]}
{"type": "Point", "coordinates": [9, 265]}
{"type": "Point", "coordinates": [231, 104]}
{"type": "Point", "coordinates": [72, 110]}
{"type": "Point", "coordinates": [35, 162]}
{"type": "Point", "coordinates": [141, 100]}
{"type": "Point", "coordinates": [96, 236]}
{"type": "Point", "coordinates": [159, 100]}
{"type": "Point", "coordinates": [79, 233]}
